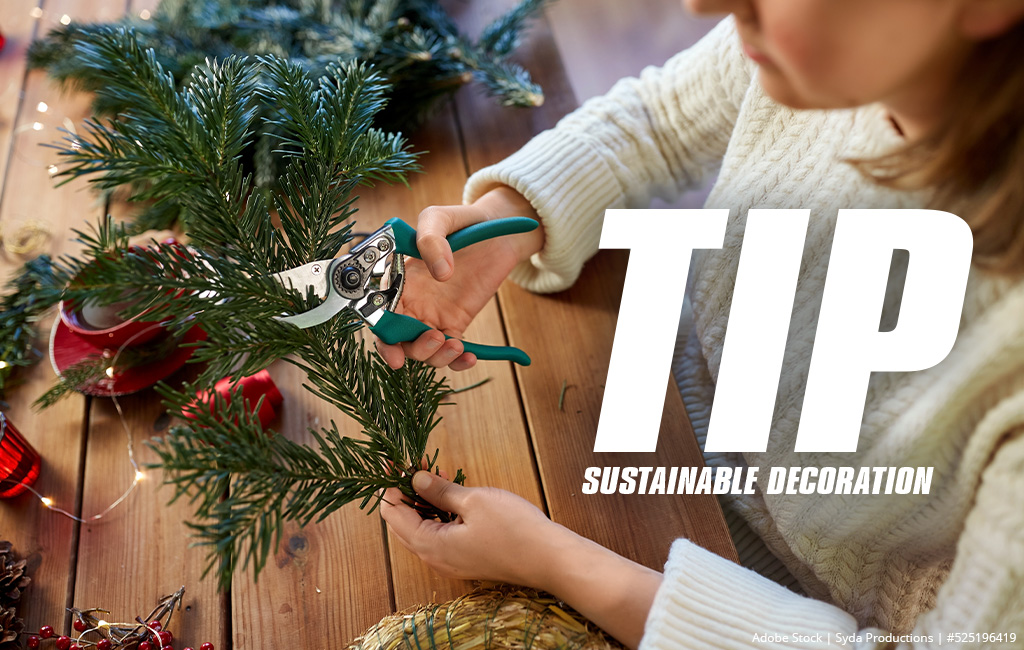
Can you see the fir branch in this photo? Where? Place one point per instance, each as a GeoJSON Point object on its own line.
{"type": "Point", "coordinates": [243, 483]}
{"type": "Point", "coordinates": [34, 289]}
{"type": "Point", "coordinates": [413, 44]}
{"type": "Point", "coordinates": [250, 482]}
{"type": "Point", "coordinates": [501, 37]}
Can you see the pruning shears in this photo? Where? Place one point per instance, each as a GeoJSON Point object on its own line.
{"type": "Point", "coordinates": [371, 276]}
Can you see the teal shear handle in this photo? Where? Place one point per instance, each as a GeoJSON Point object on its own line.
{"type": "Point", "coordinates": [395, 328]}
{"type": "Point", "coordinates": [405, 235]}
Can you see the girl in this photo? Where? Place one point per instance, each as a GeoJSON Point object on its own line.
{"type": "Point", "coordinates": [820, 104]}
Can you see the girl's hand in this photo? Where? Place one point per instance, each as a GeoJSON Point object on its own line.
{"type": "Point", "coordinates": [447, 291]}
{"type": "Point", "coordinates": [498, 536]}
{"type": "Point", "coordinates": [501, 537]}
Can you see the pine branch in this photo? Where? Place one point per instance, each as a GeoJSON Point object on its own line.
{"type": "Point", "coordinates": [34, 289]}
{"type": "Point", "coordinates": [413, 42]}
{"type": "Point", "coordinates": [501, 37]}
{"type": "Point", "coordinates": [252, 482]}
{"type": "Point", "coordinates": [246, 484]}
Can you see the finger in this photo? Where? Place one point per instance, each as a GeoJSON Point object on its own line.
{"type": "Point", "coordinates": [446, 354]}
{"type": "Point", "coordinates": [393, 355]}
{"type": "Point", "coordinates": [425, 346]}
{"type": "Point", "coordinates": [432, 229]}
{"type": "Point", "coordinates": [402, 519]}
{"type": "Point", "coordinates": [465, 361]}
{"type": "Point", "coordinates": [439, 492]}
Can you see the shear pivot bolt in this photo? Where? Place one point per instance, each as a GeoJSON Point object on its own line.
{"type": "Point", "coordinates": [377, 300]}
{"type": "Point", "coordinates": [384, 245]}
{"type": "Point", "coordinates": [350, 277]}
{"type": "Point", "coordinates": [370, 255]}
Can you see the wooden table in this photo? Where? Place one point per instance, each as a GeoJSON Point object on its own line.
{"type": "Point", "coordinates": [328, 582]}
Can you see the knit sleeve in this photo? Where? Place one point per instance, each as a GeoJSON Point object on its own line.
{"type": "Point", "coordinates": [706, 601]}
{"type": "Point", "coordinates": [649, 136]}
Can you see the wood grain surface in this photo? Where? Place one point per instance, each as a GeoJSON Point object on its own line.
{"type": "Point", "coordinates": [328, 582]}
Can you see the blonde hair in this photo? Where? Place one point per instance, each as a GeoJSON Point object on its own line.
{"type": "Point", "coordinates": [973, 164]}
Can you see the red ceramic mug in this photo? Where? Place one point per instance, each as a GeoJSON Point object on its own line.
{"type": "Point", "coordinates": [103, 327]}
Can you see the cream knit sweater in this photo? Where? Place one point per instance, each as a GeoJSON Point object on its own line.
{"type": "Point", "coordinates": [950, 561]}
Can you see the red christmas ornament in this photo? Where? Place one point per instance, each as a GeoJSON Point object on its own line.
{"type": "Point", "coordinates": [252, 387]}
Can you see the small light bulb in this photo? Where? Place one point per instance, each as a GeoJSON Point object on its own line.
{"type": "Point", "coordinates": [3, 364]}
{"type": "Point", "coordinates": [37, 126]}
{"type": "Point", "coordinates": [42, 107]}
{"type": "Point", "coordinates": [144, 14]}
{"type": "Point", "coordinates": [47, 501]}
{"type": "Point", "coordinates": [110, 371]}
{"type": "Point", "coordinates": [102, 623]}
{"type": "Point", "coordinates": [52, 169]}
{"type": "Point", "coordinates": [65, 20]}
{"type": "Point", "coordinates": [139, 475]}
{"type": "Point", "coordinates": [36, 12]}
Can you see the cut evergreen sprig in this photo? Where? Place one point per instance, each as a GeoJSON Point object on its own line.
{"type": "Point", "coordinates": [413, 45]}
{"type": "Point", "coordinates": [246, 483]}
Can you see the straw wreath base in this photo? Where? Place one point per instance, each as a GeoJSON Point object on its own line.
{"type": "Point", "coordinates": [494, 618]}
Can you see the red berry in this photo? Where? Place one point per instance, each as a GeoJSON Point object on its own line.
{"type": "Point", "coordinates": [155, 625]}
{"type": "Point", "coordinates": [206, 646]}
{"type": "Point", "coordinates": [80, 625]}
{"type": "Point", "coordinates": [189, 648]}
{"type": "Point", "coordinates": [63, 643]}
{"type": "Point", "coordinates": [46, 631]}
{"type": "Point", "coordinates": [104, 644]}
{"type": "Point", "coordinates": [165, 638]}
{"type": "Point", "coordinates": [145, 646]}
{"type": "Point", "coordinates": [33, 642]}
{"type": "Point", "coordinates": [75, 646]}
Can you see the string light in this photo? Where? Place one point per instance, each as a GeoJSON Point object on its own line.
{"type": "Point", "coordinates": [36, 12]}
{"type": "Point", "coordinates": [65, 20]}
{"type": "Point", "coordinates": [139, 475]}
{"type": "Point", "coordinates": [42, 107]}
{"type": "Point", "coordinates": [144, 14]}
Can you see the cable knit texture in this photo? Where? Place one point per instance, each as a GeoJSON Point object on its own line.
{"type": "Point", "coordinates": [949, 561]}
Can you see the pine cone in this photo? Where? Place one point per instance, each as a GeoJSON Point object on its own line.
{"type": "Point", "coordinates": [12, 576]}
{"type": "Point", "coordinates": [10, 626]}
{"type": "Point", "coordinates": [12, 581]}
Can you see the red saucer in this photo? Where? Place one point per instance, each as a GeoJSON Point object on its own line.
{"type": "Point", "coordinates": [67, 349]}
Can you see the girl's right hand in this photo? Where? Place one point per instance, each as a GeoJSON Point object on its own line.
{"type": "Point", "coordinates": [447, 291]}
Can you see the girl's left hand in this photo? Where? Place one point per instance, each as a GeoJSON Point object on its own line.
{"type": "Point", "coordinates": [493, 534]}
{"type": "Point", "coordinates": [504, 538]}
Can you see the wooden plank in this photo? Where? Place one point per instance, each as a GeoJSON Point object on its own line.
{"type": "Point", "coordinates": [18, 29]}
{"type": "Point", "coordinates": [47, 538]}
{"type": "Point", "coordinates": [140, 551]}
{"type": "Point", "coordinates": [327, 582]}
{"type": "Point", "coordinates": [571, 334]}
{"type": "Point", "coordinates": [484, 433]}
